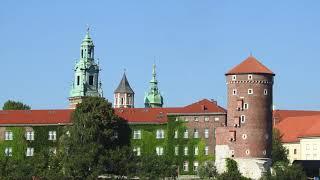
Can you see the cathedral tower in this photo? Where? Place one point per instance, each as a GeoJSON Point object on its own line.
{"type": "Point", "coordinates": [248, 135]}
{"type": "Point", "coordinates": [153, 98]}
{"type": "Point", "coordinates": [86, 74]}
{"type": "Point", "coordinates": [124, 95]}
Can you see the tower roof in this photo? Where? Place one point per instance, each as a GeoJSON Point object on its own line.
{"type": "Point", "coordinates": [250, 65]}
{"type": "Point", "coordinates": [124, 86]}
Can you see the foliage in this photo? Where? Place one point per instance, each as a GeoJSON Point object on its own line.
{"type": "Point", "coordinates": [96, 131]}
{"type": "Point", "coordinates": [15, 105]}
{"type": "Point", "coordinates": [232, 172]}
{"type": "Point", "coordinates": [156, 167]}
{"type": "Point", "coordinates": [279, 152]}
{"type": "Point", "coordinates": [208, 170]}
{"type": "Point", "coordinates": [284, 171]}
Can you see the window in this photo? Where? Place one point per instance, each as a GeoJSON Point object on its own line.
{"type": "Point", "coordinates": [232, 135]}
{"type": "Point", "coordinates": [246, 106]}
{"type": "Point", "coordinates": [264, 152]}
{"type": "Point", "coordinates": [177, 118]}
{"type": "Point", "coordinates": [8, 135]}
{"type": "Point", "coordinates": [159, 151]}
{"type": "Point", "coordinates": [243, 118]}
{"type": "Point", "coordinates": [176, 134]}
{"type": "Point", "coordinates": [52, 135]}
{"type": "Point", "coordinates": [195, 166]}
{"type": "Point", "coordinates": [137, 134]}
{"type": "Point", "coordinates": [307, 147]}
{"type": "Point", "coordinates": [185, 151]}
{"type": "Point", "coordinates": [186, 166]}
{"type": "Point", "coordinates": [160, 134]}
{"type": "Point", "coordinates": [206, 133]}
{"type": "Point", "coordinates": [206, 119]}
{"type": "Point", "coordinates": [196, 133]}
{"type": "Point", "coordinates": [196, 119]}
{"type": "Point", "coordinates": [78, 80]}
{"type": "Point", "coordinates": [81, 53]}
{"type": "Point", "coordinates": [176, 150]}
{"type": "Point", "coordinates": [232, 153]}
{"type": "Point", "coordinates": [249, 76]}
{"type": "Point", "coordinates": [137, 151]}
{"type": "Point", "coordinates": [206, 150]}
{"type": "Point", "coordinates": [196, 151]}
{"type": "Point", "coordinates": [234, 77]}
{"type": "Point", "coordinates": [265, 92]}
{"type": "Point", "coordinates": [216, 119]}
{"type": "Point", "coordinates": [234, 92]}
{"type": "Point", "coordinates": [294, 151]}
{"type": "Point", "coordinates": [29, 151]}
{"type": "Point", "coordinates": [8, 151]}
{"type": "Point", "coordinates": [247, 152]}
{"type": "Point", "coordinates": [186, 134]}
{"type": "Point", "coordinates": [30, 135]}
{"type": "Point", "coordinates": [240, 104]}
{"type": "Point", "coordinates": [250, 91]}
{"type": "Point", "coordinates": [236, 121]}
{"type": "Point", "coordinates": [244, 136]}
{"type": "Point", "coordinates": [90, 80]}
{"type": "Point", "coordinates": [314, 147]}
{"type": "Point", "coordinates": [186, 119]}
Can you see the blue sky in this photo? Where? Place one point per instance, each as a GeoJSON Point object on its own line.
{"type": "Point", "coordinates": [194, 42]}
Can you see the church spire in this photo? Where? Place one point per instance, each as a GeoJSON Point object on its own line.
{"type": "Point", "coordinates": [124, 95]}
{"type": "Point", "coordinates": [86, 74]}
{"type": "Point", "coordinates": [153, 98]}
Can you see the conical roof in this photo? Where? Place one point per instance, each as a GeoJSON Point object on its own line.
{"type": "Point", "coordinates": [124, 86]}
{"type": "Point", "coordinates": [250, 65]}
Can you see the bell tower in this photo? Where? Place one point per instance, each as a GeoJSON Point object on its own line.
{"type": "Point", "coordinates": [86, 74]}
{"type": "Point", "coordinates": [153, 98]}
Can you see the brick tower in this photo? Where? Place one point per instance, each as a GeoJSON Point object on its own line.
{"type": "Point", "coordinates": [124, 95]}
{"type": "Point", "coordinates": [247, 136]}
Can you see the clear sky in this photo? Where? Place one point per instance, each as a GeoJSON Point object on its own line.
{"type": "Point", "coordinates": [194, 41]}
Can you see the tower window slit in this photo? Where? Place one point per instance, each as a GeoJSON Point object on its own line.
{"type": "Point", "coordinates": [90, 80]}
{"type": "Point", "coordinates": [82, 53]}
{"type": "Point", "coordinates": [78, 80]}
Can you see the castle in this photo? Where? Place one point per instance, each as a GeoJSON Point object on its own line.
{"type": "Point", "coordinates": [193, 134]}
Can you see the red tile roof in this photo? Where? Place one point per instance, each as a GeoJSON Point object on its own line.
{"type": "Point", "coordinates": [279, 115]}
{"type": "Point", "coordinates": [35, 117]}
{"type": "Point", "coordinates": [250, 65]}
{"type": "Point", "coordinates": [292, 128]}
{"type": "Point", "coordinates": [132, 115]}
{"type": "Point", "coordinates": [159, 115]}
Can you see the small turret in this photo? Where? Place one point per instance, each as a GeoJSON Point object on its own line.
{"type": "Point", "coordinates": [124, 95]}
{"type": "Point", "coordinates": [153, 98]}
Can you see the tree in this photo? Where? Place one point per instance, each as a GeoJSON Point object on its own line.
{"type": "Point", "coordinates": [279, 152]}
{"type": "Point", "coordinates": [232, 172]}
{"type": "Point", "coordinates": [15, 105]}
{"type": "Point", "coordinates": [207, 171]}
{"type": "Point", "coordinates": [96, 131]}
{"type": "Point", "coordinates": [284, 171]}
{"type": "Point", "coordinates": [152, 166]}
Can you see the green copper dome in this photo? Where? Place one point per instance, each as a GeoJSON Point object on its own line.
{"type": "Point", "coordinates": [153, 98]}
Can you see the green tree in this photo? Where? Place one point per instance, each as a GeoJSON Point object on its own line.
{"type": "Point", "coordinates": [284, 171]}
{"type": "Point", "coordinates": [152, 166]}
{"type": "Point", "coordinates": [96, 131]}
{"type": "Point", "coordinates": [208, 170]}
{"type": "Point", "coordinates": [279, 152]}
{"type": "Point", "coordinates": [15, 105]}
{"type": "Point", "coordinates": [232, 172]}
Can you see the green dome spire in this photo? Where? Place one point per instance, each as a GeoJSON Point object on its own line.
{"type": "Point", "coordinates": [153, 98]}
